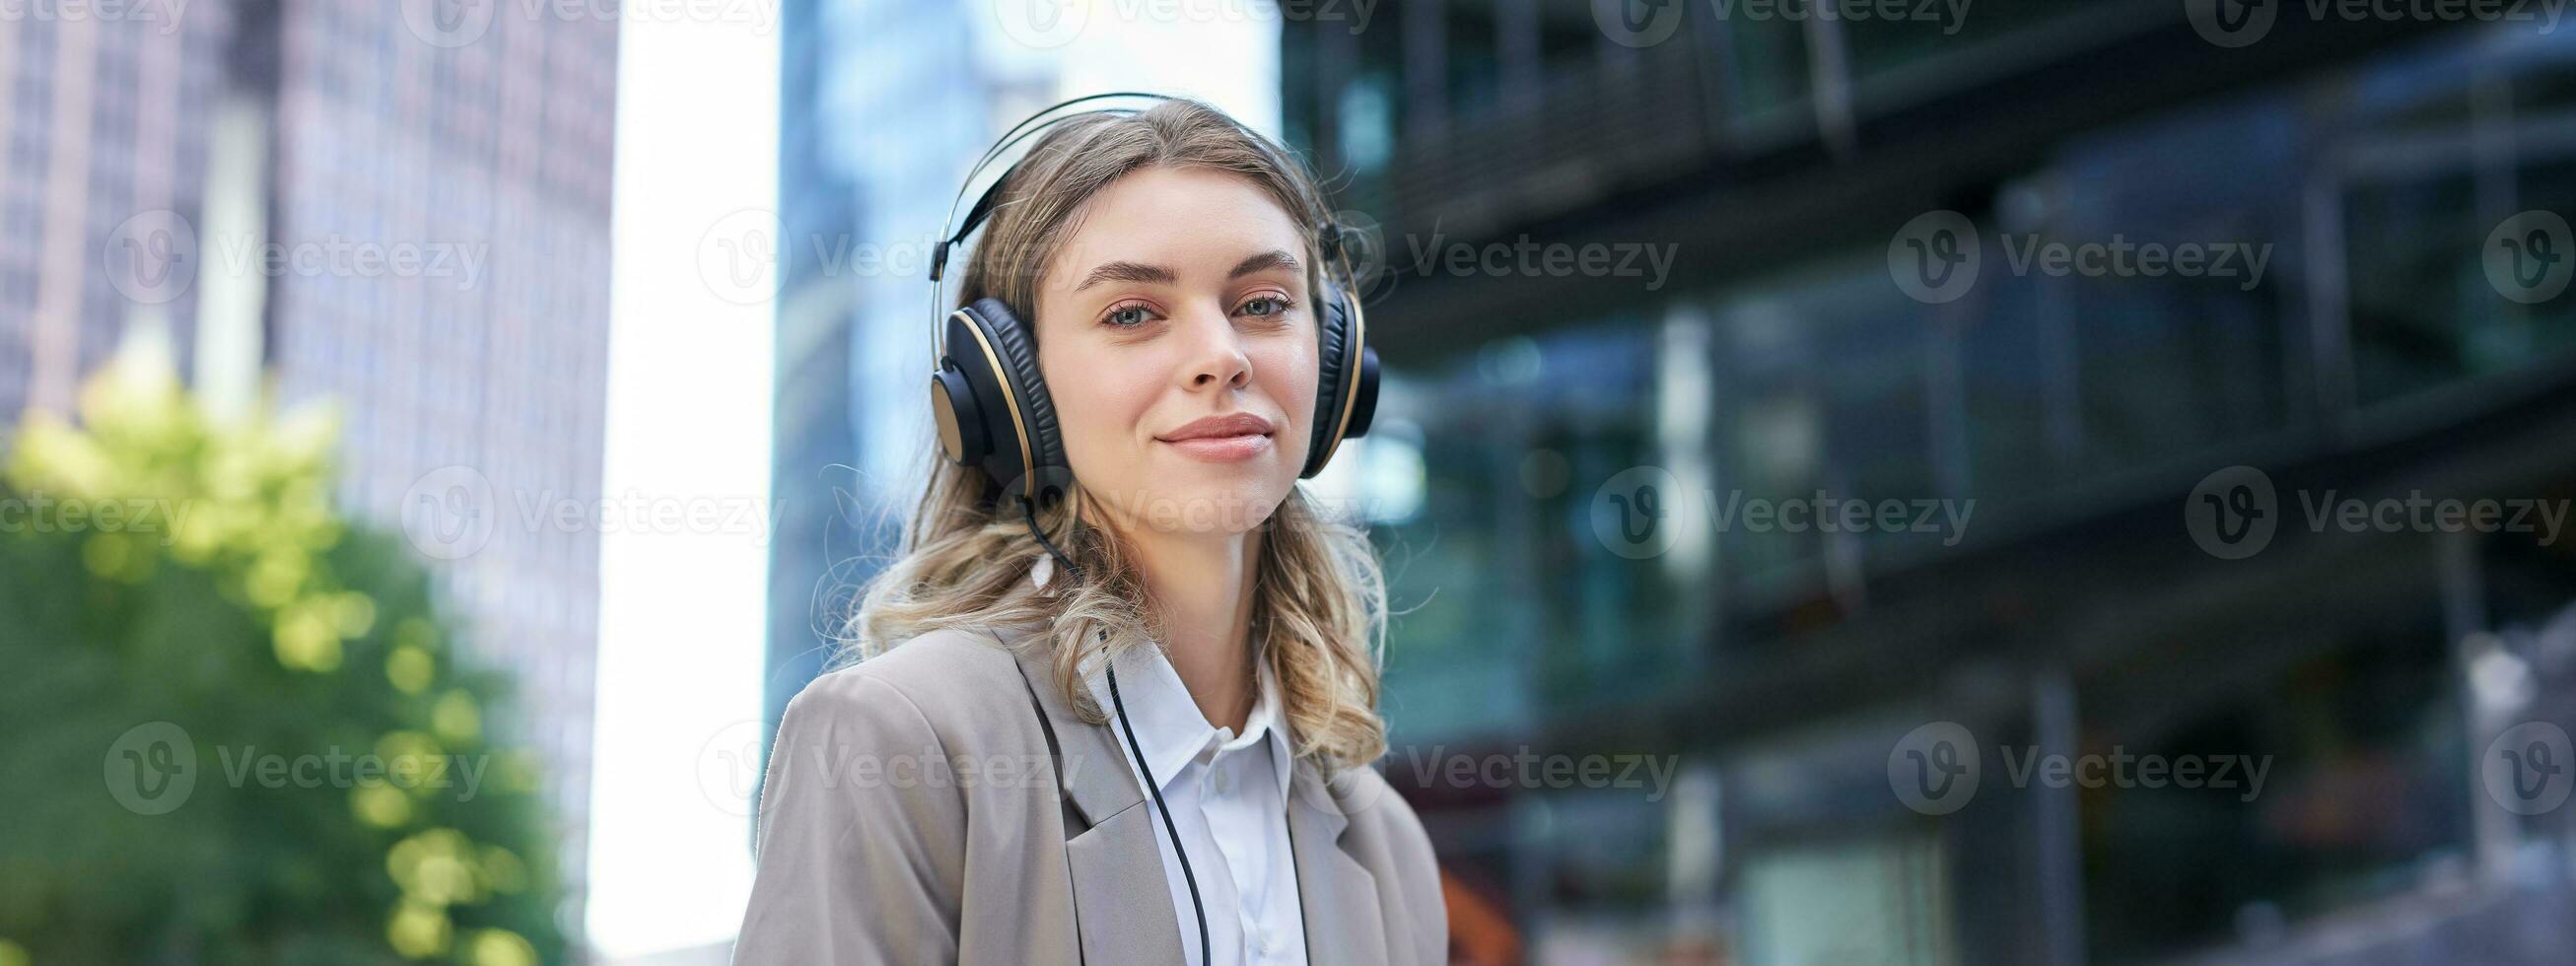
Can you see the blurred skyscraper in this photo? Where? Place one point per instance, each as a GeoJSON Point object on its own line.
{"type": "Point", "coordinates": [2075, 426]}
{"type": "Point", "coordinates": [102, 121]}
{"type": "Point", "coordinates": [403, 207]}
{"type": "Point", "coordinates": [884, 106]}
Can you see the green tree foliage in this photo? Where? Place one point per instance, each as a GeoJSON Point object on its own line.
{"type": "Point", "coordinates": [232, 726]}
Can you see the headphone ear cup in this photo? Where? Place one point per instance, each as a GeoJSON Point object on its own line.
{"type": "Point", "coordinates": [1364, 408]}
{"type": "Point", "coordinates": [1029, 449]}
{"type": "Point", "coordinates": [964, 435]}
{"type": "Point", "coordinates": [1333, 377]}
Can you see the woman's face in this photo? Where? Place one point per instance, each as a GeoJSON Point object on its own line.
{"type": "Point", "coordinates": [1181, 296]}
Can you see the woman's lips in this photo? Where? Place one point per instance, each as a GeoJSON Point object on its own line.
{"type": "Point", "coordinates": [1222, 449]}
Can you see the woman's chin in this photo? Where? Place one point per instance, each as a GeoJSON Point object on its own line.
{"type": "Point", "coordinates": [1219, 507]}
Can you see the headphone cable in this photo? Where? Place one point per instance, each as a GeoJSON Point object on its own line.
{"type": "Point", "coordinates": [1180, 851]}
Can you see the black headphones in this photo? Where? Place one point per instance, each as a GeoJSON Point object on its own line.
{"type": "Point", "coordinates": [992, 405]}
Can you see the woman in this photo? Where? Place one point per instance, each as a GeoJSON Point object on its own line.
{"type": "Point", "coordinates": [1130, 725]}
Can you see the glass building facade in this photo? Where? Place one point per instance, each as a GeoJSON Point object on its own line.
{"type": "Point", "coordinates": [2043, 431]}
{"type": "Point", "coordinates": [859, 209]}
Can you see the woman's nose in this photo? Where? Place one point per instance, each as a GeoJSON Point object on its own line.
{"type": "Point", "coordinates": [1216, 352]}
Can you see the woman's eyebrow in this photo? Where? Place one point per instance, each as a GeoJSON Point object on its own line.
{"type": "Point", "coordinates": [1158, 275]}
{"type": "Point", "coordinates": [1274, 258]}
{"type": "Point", "coordinates": [1127, 272]}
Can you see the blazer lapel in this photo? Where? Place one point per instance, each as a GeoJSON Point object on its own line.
{"type": "Point", "coordinates": [1121, 900]}
{"type": "Point", "coordinates": [1339, 895]}
{"type": "Point", "coordinates": [1122, 904]}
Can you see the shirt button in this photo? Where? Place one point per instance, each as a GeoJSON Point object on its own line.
{"type": "Point", "coordinates": [1221, 781]}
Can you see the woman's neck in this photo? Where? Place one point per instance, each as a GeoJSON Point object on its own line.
{"type": "Point", "coordinates": [1202, 589]}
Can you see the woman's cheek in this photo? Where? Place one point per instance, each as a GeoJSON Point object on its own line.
{"type": "Point", "coordinates": [1294, 386]}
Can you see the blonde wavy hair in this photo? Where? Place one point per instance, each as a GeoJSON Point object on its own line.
{"type": "Point", "coordinates": [1319, 593]}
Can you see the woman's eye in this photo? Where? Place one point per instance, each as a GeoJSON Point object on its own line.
{"type": "Point", "coordinates": [1275, 304]}
{"type": "Point", "coordinates": [1127, 316]}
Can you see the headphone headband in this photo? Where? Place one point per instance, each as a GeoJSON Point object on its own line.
{"type": "Point", "coordinates": [1328, 235]}
{"type": "Point", "coordinates": [1019, 132]}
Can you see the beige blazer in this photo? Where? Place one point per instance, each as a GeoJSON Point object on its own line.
{"type": "Point", "coordinates": [939, 803]}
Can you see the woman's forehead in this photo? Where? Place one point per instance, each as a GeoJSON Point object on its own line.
{"type": "Point", "coordinates": [1183, 218]}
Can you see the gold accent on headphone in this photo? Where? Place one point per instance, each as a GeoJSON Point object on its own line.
{"type": "Point", "coordinates": [1028, 460]}
{"type": "Point", "coordinates": [1355, 352]}
{"type": "Point", "coordinates": [944, 413]}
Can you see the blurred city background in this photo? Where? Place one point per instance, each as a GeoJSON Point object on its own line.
{"type": "Point", "coordinates": [1913, 482]}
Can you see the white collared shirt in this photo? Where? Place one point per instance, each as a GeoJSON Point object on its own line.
{"type": "Point", "coordinates": [1229, 799]}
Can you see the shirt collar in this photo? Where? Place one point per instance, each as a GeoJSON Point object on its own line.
{"type": "Point", "coordinates": [1169, 726]}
